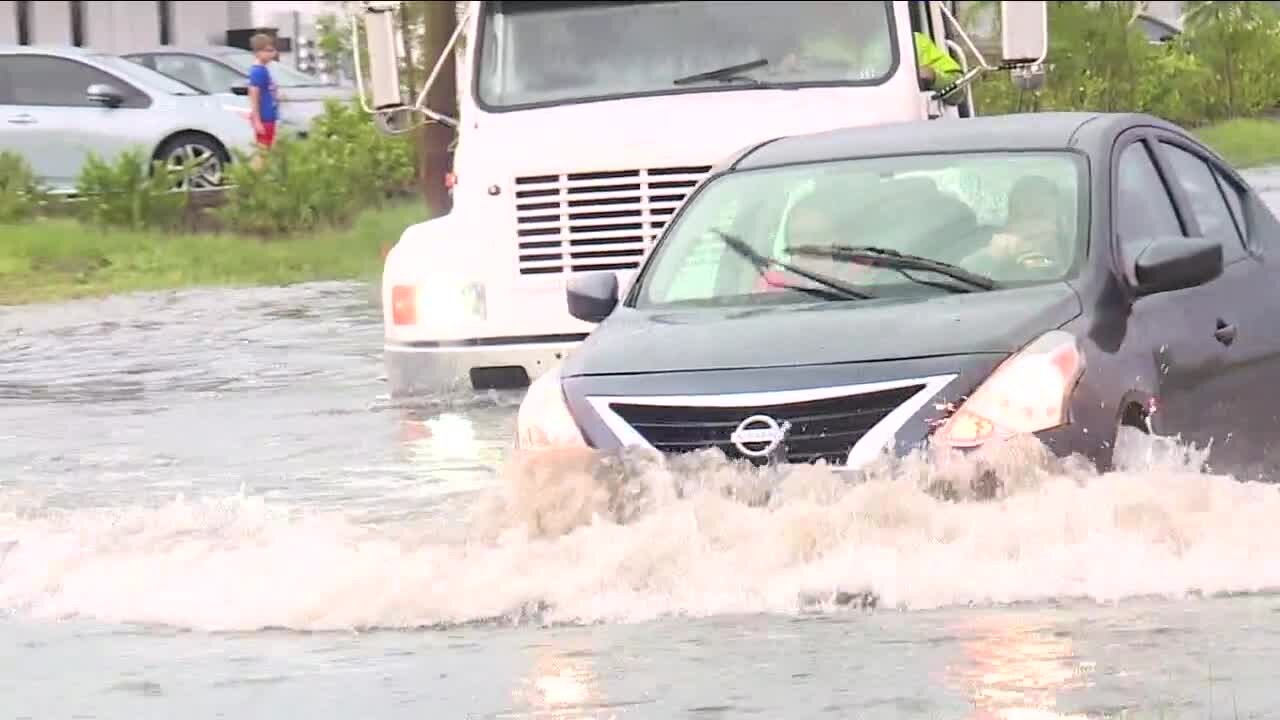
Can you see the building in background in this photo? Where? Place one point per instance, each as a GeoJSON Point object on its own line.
{"type": "Point", "coordinates": [297, 20]}
{"type": "Point", "coordinates": [118, 26]}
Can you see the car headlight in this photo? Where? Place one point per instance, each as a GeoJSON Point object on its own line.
{"type": "Point", "coordinates": [1029, 392]}
{"type": "Point", "coordinates": [544, 421]}
{"type": "Point", "coordinates": [445, 304]}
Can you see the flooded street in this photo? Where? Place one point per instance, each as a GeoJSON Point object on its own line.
{"type": "Point", "coordinates": [208, 508]}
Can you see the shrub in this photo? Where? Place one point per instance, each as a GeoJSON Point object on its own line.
{"type": "Point", "coordinates": [131, 192]}
{"type": "Point", "coordinates": [342, 167]}
{"type": "Point", "coordinates": [373, 166]}
{"type": "Point", "coordinates": [20, 194]}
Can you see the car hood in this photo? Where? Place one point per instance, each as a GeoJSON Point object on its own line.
{"type": "Point", "coordinates": [1000, 321]}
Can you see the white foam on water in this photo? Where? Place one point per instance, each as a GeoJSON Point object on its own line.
{"type": "Point", "coordinates": [629, 538]}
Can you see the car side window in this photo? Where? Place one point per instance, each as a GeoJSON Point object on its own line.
{"type": "Point", "coordinates": [1143, 209]}
{"type": "Point", "coordinates": [221, 78]}
{"type": "Point", "coordinates": [56, 82]}
{"type": "Point", "coordinates": [184, 68]}
{"type": "Point", "coordinates": [1235, 201]}
{"type": "Point", "coordinates": [1207, 202]}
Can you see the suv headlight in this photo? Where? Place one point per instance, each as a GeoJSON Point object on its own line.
{"type": "Point", "coordinates": [1029, 392]}
{"type": "Point", "coordinates": [544, 421]}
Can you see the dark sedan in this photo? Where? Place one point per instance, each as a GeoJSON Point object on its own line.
{"type": "Point", "coordinates": [828, 296]}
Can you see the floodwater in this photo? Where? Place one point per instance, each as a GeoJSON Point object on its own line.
{"type": "Point", "coordinates": [209, 509]}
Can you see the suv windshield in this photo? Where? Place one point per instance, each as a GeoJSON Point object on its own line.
{"type": "Point", "coordinates": [885, 227]}
{"type": "Point", "coordinates": [534, 53]}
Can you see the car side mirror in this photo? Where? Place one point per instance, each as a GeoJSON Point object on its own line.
{"type": "Point", "coordinates": [1024, 31]}
{"type": "Point", "coordinates": [104, 94]}
{"type": "Point", "coordinates": [592, 296]}
{"type": "Point", "coordinates": [242, 90]}
{"type": "Point", "coordinates": [1176, 263]}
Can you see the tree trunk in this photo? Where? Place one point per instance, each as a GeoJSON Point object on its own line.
{"type": "Point", "coordinates": [440, 20]}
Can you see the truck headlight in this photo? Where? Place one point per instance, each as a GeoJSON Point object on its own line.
{"type": "Point", "coordinates": [544, 421]}
{"type": "Point", "coordinates": [1029, 392]}
{"type": "Point", "coordinates": [443, 304]}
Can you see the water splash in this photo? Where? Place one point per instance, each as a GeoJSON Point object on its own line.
{"type": "Point", "coordinates": [628, 537]}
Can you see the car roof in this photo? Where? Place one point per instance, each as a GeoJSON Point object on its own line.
{"type": "Point", "coordinates": [1088, 131]}
{"type": "Point", "coordinates": [61, 50]}
{"type": "Point", "coordinates": [187, 49]}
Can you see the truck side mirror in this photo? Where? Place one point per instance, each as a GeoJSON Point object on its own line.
{"type": "Point", "coordinates": [1024, 31]}
{"type": "Point", "coordinates": [384, 67]}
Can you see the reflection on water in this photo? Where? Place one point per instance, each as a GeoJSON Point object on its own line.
{"type": "Point", "coordinates": [561, 685]}
{"type": "Point", "coordinates": [448, 436]}
{"type": "Point", "coordinates": [1016, 669]}
{"type": "Point", "coordinates": [456, 448]}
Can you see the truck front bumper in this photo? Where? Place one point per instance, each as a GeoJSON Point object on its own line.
{"type": "Point", "coordinates": [431, 368]}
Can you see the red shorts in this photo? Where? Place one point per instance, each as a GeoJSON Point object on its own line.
{"type": "Point", "coordinates": [267, 137]}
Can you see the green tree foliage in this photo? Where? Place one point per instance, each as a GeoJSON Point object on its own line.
{"type": "Point", "coordinates": [1225, 64]}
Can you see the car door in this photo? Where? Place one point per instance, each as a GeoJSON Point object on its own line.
{"type": "Point", "coordinates": [18, 130]}
{"type": "Point", "coordinates": [1173, 334]}
{"type": "Point", "coordinates": [57, 126]}
{"type": "Point", "coordinates": [13, 121]}
{"type": "Point", "coordinates": [1250, 313]}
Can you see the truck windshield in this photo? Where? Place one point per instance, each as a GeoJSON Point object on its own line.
{"type": "Point", "coordinates": [541, 53]}
{"type": "Point", "coordinates": [873, 228]}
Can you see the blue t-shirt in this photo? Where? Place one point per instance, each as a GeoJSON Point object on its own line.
{"type": "Point", "coordinates": [260, 78]}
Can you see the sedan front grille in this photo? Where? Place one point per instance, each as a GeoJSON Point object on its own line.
{"type": "Point", "coordinates": [824, 429]}
{"type": "Point", "coordinates": [596, 220]}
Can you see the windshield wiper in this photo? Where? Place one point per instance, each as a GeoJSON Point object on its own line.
{"type": "Point", "coordinates": [899, 261]}
{"type": "Point", "coordinates": [831, 289]}
{"type": "Point", "coordinates": [732, 72]}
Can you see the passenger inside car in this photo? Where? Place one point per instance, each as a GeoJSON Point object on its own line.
{"type": "Point", "coordinates": [1033, 231]}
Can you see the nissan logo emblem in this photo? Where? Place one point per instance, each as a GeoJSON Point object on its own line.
{"type": "Point", "coordinates": [759, 435]}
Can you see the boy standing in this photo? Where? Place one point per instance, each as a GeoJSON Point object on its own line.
{"type": "Point", "coordinates": [262, 91]}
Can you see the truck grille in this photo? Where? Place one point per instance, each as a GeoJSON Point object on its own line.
{"type": "Point", "coordinates": [596, 220]}
{"type": "Point", "coordinates": [823, 429]}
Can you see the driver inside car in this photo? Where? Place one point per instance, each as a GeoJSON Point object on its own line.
{"type": "Point", "coordinates": [811, 221]}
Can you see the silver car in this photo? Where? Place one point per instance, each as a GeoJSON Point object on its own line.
{"type": "Point", "coordinates": [59, 104]}
{"type": "Point", "coordinates": [222, 68]}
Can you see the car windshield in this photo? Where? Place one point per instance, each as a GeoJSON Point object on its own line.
{"type": "Point", "coordinates": [883, 227]}
{"type": "Point", "coordinates": [534, 53]}
{"type": "Point", "coordinates": [146, 76]}
{"type": "Point", "coordinates": [283, 75]}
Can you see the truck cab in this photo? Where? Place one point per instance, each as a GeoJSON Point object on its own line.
{"type": "Point", "coordinates": [583, 126]}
